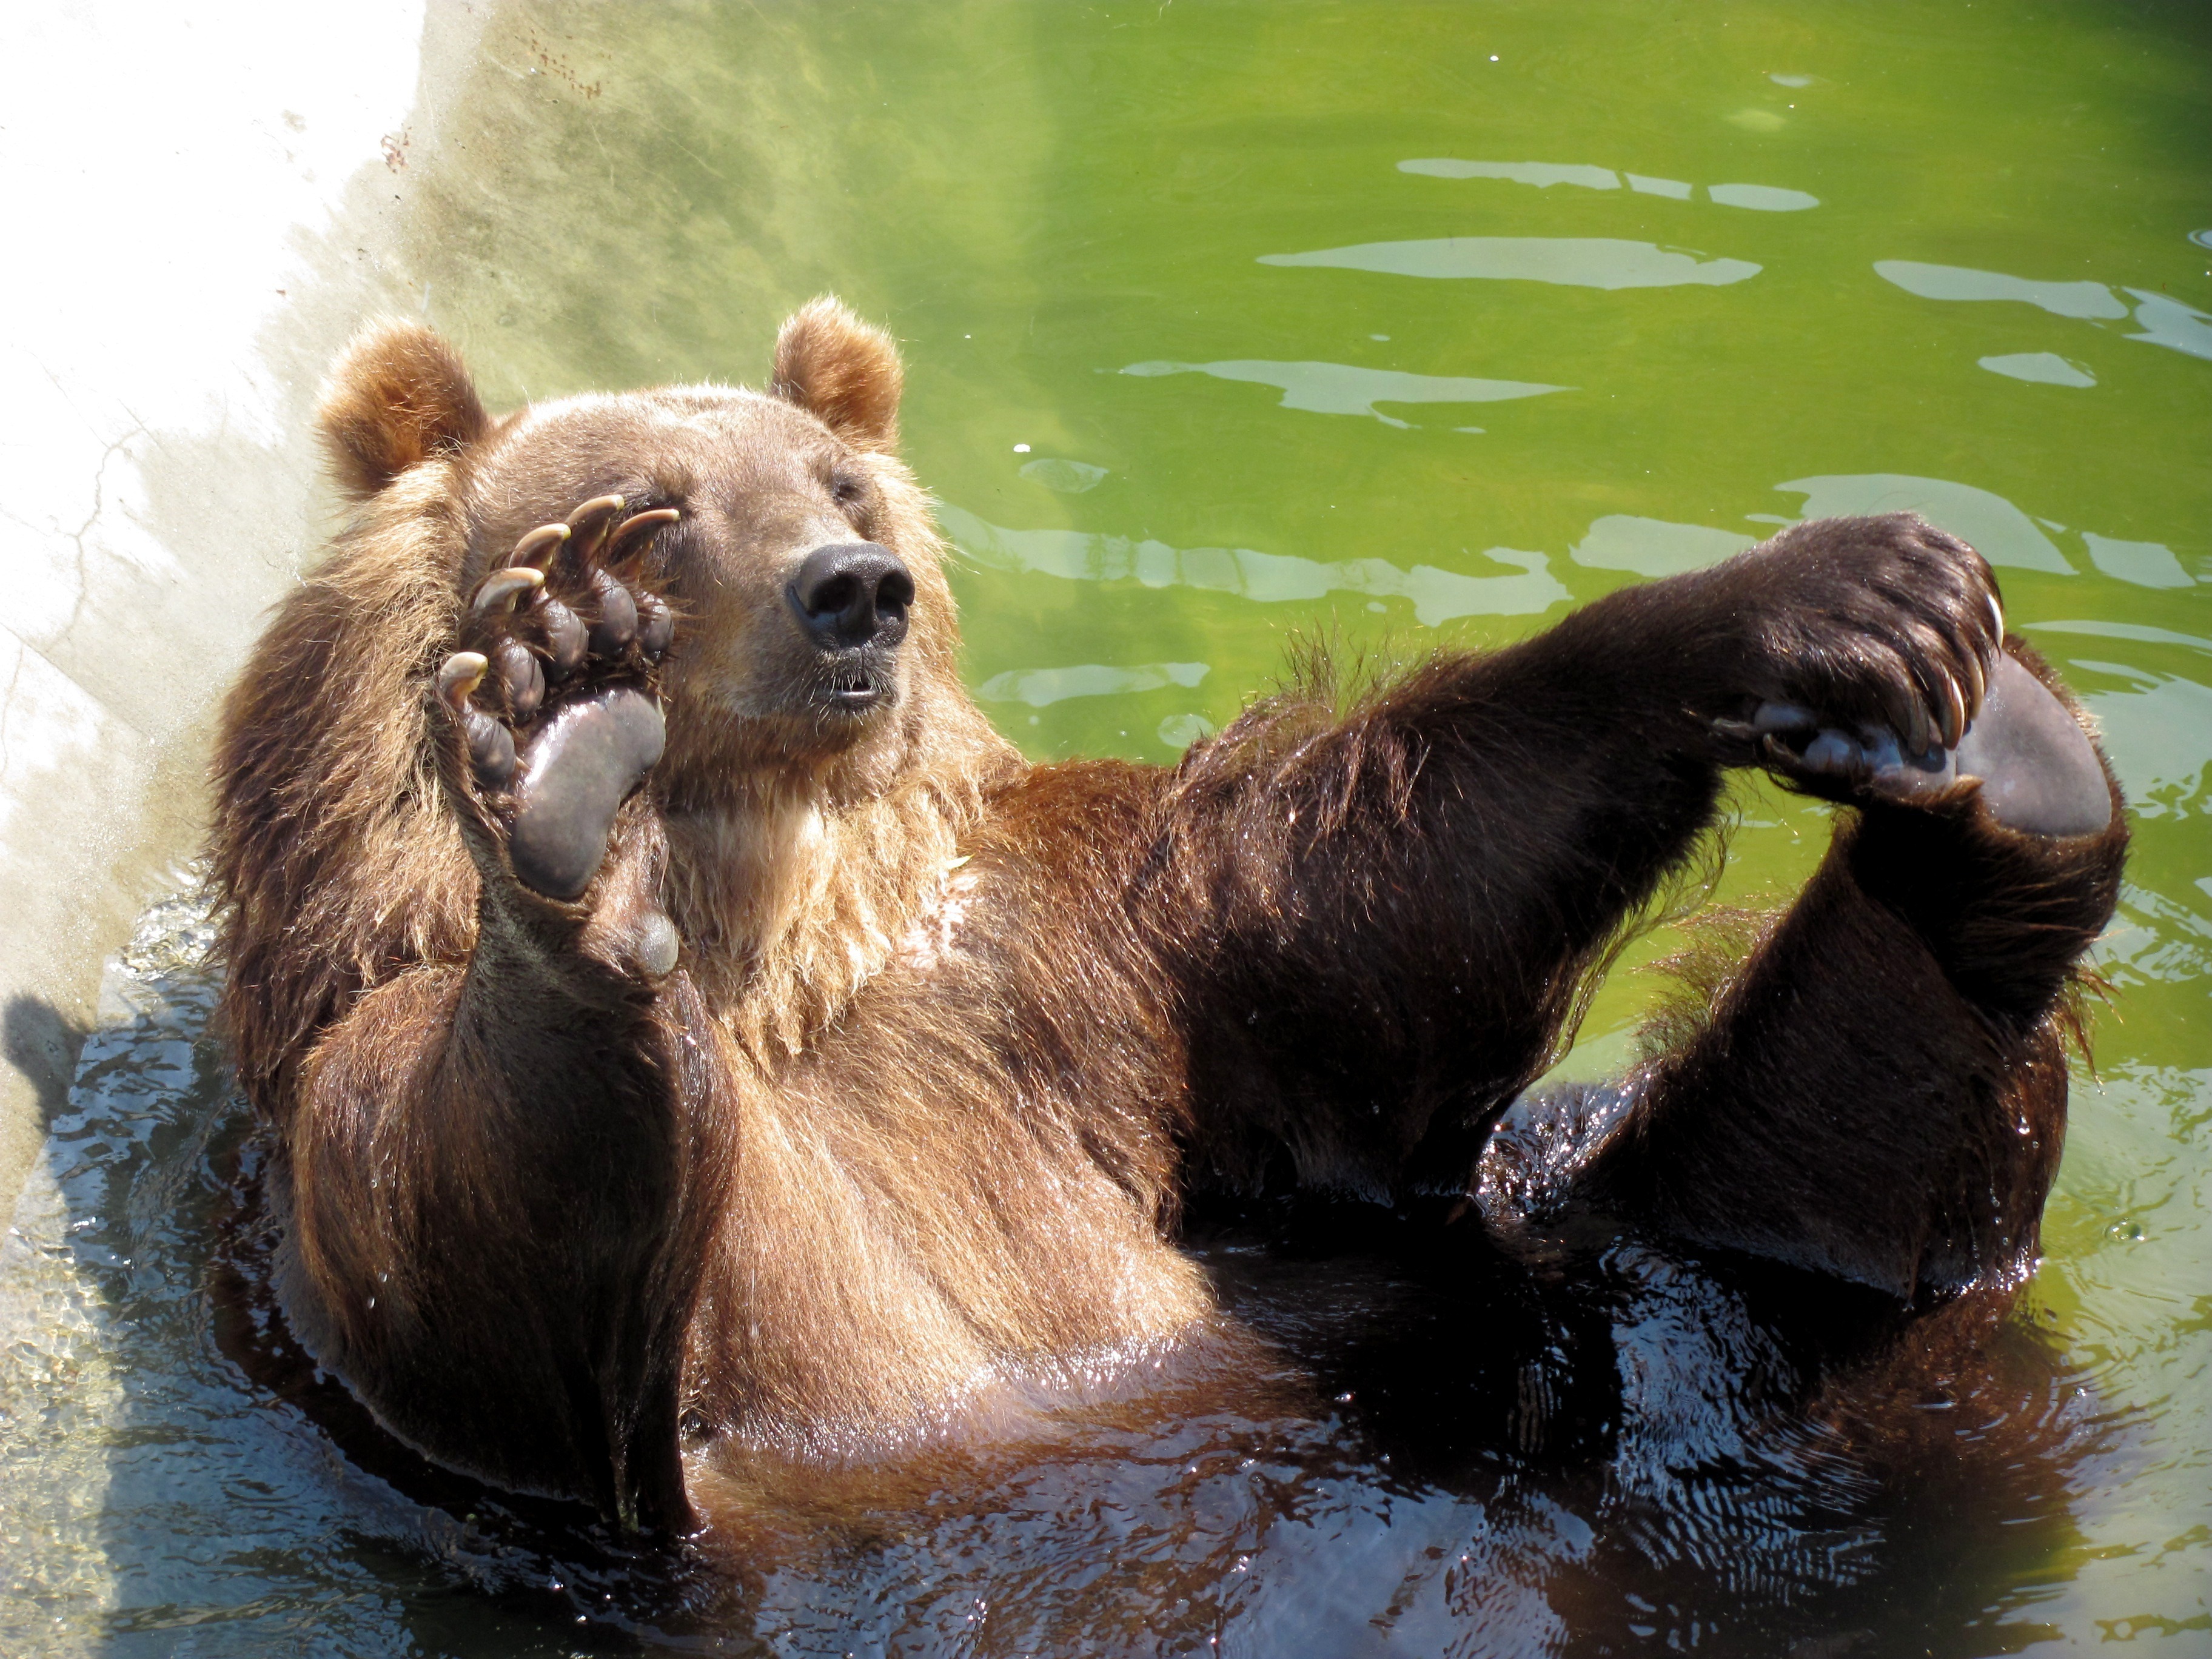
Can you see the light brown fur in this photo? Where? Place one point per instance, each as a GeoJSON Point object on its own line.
{"type": "Point", "coordinates": [851, 1297]}
{"type": "Point", "coordinates": [900, 1143]}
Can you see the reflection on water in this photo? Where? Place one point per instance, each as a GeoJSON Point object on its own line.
{"type": "Point", "coordinates": [1067, 477]}
{"type": "Point", "coordinates": [1653, 547]}
{"type": "Point", "coordinates": [2145, 564]}
{"type": "Point", "coordinates": [2002, 533]}
{"type": "Point", "coordinates": [2120, 630]}
{"type": "Point", "coordinates": [1180, 731]}
{"type": "Point", "coordinates": [1272, 578]}
{"type": "Point", "coordinates": [1346, 389]}
{"type": "Point", "coordinates": [2166, 321]}
{"type": "Point", "coordinates": [1542, 175]}
{"type": "Point", "coordinates": [1762, 198]}
{"type": "Point", "coordinates": [2160, 729]}
{"type": "Point", "coordinates": [1040, 688]}
{"type": "Point", "coordinates": [2046, 368]}
{"type": "Point", "coordinates": [2162, 320]}
{"type": "Point", "coordinates": [1573, 261]}
{"type": "Point", "coordinates": [1956, 283]}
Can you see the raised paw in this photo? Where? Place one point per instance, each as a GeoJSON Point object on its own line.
{"type": "Point", "coordinates": [2039, 772]}
{"type": "Point", "coordinates": [555, 700]}
{"type": "Point", "coordinates": [1883, 623]}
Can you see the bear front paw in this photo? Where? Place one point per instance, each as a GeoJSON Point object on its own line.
{"type": "Point", "coordinates": [2039, 772]}
{"type": "Point", "coordinates": [555, 698]}
{"type": "Point", "coordinates": [1884, 622]}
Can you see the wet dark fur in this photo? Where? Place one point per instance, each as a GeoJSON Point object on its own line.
{"type": "Point", "coordinates": [903, 1141]}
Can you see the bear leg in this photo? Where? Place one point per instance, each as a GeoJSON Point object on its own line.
{"type": "Point", "coordinates": [1879, 1093]}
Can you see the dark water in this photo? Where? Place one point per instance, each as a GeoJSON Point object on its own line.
{"type": "Point", "coordinates": [1435, 1455]}
{"type": "Point", "coordinates": [1414, 324]}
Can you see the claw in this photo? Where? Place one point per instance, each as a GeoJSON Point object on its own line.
{"type": "Point", "coordinates": [460, 676]}
{"type": "Point", "coordinates": [588, 526]}
{"type": "Point", "coordinates": [491, 745]}
{"type": "Point", "coordinates": [1996, 620]}
{"type": "Point", "coordinates": [1907, 714]}
{"type": "Point", "coordinates": [538, 544]}
{"type": "Point", "coordinates": [1954, 713]}
{"type": "Point", "coordinates": [501, 585]}
{"type": "Point", "coordinates": [636, 527]}
{"type": "Point", "coordinates": [1978, 686]}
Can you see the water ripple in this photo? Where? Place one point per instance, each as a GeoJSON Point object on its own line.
{"type": "Point", "coordinates": [1571, 261]}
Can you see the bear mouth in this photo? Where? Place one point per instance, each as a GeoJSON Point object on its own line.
{"type": "Point", "coordinates": [856, 687]}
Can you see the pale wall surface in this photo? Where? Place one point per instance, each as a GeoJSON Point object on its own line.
{"type": "Point", "coordinates": [201, 210]}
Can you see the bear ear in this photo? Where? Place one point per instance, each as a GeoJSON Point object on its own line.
{"type": "Point", "coordinates": [399, 395]}
{"type": "Point", "coordinates": [833, 365]}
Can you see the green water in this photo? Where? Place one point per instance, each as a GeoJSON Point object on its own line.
{"type": "Point", "coordinates": [1414, 324]}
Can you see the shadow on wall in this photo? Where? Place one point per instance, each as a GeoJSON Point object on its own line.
{"type": "Point", "coordinates": [42, 1043]}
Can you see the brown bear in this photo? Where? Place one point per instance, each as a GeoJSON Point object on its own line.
{"type": "Point", "coordinates": [694, 1045]}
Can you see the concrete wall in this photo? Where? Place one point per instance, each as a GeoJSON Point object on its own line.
{"type": "Point", "coordinates": [202, 209]}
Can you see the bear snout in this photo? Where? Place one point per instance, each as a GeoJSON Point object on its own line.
{"type": "Point", "coordinates": [851, 598]}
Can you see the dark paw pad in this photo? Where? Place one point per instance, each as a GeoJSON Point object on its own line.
{"type": "Point", "coordinates": [2040, 773]}
{"type": "Point", "coordinates": [554, 702]}
{"type": "Point", "coordinates": [581, 766]}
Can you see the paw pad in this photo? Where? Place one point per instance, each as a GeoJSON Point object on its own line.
{"type": "Point", "coordinates": [2039, 772]}
{"type": "Point", "coordinates": [554, 700]}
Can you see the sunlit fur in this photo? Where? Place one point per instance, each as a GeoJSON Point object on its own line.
{"type": "Point", "coordinates": [902, 1143]}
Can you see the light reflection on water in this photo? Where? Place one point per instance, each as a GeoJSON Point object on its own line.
{"type": "Point", "coordinates": [1348, 389]}
{"type": "Point", "coordinates": [1604, 262]}
{"type": "Point", "coordinates": [1034, 197]}
{"type": "Point", "coordinates": [1437, 595]}
{"type": "Point", "coordinates": [2163, 319]}
{"type": "Point", "coordinates": [1952, 283]}
{"type": "Point", "coordinates": [1760, 198]}
{"type": "Point", "coordinates": [2044, 367]}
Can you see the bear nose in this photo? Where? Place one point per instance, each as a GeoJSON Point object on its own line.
{"type": "Point", "coordinates": [851, 594]}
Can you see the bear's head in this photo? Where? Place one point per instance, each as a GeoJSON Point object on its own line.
{"type": "Point", "coordinates": [816, 643]}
